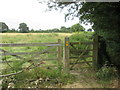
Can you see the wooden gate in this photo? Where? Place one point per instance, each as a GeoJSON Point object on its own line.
{"type": "Point", "coordinates": [36, 54]}
{"type": "Point", "coordinates": [81, 53]}
{"type": "Point", "coordinates": [66, 54]}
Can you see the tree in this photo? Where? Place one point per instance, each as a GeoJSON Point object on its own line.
{"type": "Point", "coordinates": [23, 28]}
{"type": "Point", "coordinates": [105, 19]}
{"type": "Point", "coordinates": [77, 28]}
{"type": "Point", "coordinates": [3, 27]}
{"type": "Point", "coordinates": [63, 29]}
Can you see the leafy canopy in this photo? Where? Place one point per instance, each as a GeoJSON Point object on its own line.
{"type": "Point", "coordinates": [77, 27]}
{"type": "Point", "coordinates": [23, 28]}
{"type": "Point", "coordinates": [105, 19]}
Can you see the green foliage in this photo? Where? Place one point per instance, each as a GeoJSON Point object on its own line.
{"type": "Point", "coordinates": [50, 76]}
{"type": "Point", "coordinates": [17, 65]}
{"type": "Point", "coordinates": [12, 31]}
{"type": "Point", "coordinates": [63, 29]}
{"type": "Point", "coordinates": [23, 28]}
{"type": "Point", "coordinates": [105, 19]}
{"type": "Point", "coordinates": [77, 28]}
{"type": "Point", "coordinates": [106, 73]}
{"type": "Point", "coordinates": [105, 25]}
{"type": "Point", "coordinates": [39, 77]}
{"type": "Point", "coordinates": [3, 27]}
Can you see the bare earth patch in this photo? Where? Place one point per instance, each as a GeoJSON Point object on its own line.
{"type": "Point", "coordinates": [85, 78]}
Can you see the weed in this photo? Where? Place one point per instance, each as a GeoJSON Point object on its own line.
{"type": "Point", "coordinates": [49, 76]}
{"type": "Point", "coordinates": [106, 73]}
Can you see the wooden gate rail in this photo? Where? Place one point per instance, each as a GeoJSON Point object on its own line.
{"type": "Point", "coordinates": [46, 59]}
{"type": "Point", "coordinates": [88, 43]}
{"type": "Point", "coordinates": [23, 53]}
{"type": "Point", "coordinates": [15, 54]}
{"type": "Point", "coordinates": [28, 44]}
{"type": "Point", "coordinates": [80, 50]}
{"type": "Point", "coordinates": [81, 56]}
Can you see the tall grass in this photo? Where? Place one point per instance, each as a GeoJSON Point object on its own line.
{"type": "Point", "coordinates": [53, 74]}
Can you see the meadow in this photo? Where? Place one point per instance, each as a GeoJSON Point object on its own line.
{"type": "Point", "coordinates": [48, 74]}
{"type": "Point", "coordinates": [17, 63]}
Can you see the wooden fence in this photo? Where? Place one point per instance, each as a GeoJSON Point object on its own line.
{"type": "Point", "coordinates": [66, 53]}
{"type": "Point", "coordinates": [17, 54]}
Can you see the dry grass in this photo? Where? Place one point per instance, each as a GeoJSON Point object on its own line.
{"type": "Point", "coordinates": [62, 34]}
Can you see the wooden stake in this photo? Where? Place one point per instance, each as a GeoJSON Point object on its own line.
{"type": "Point", "coordinates": [66, 55]}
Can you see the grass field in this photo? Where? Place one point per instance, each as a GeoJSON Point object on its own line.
{"type": "Point", "coordinates": [30, 38]}
{"type": "Point", "coordinates": [50, 76]}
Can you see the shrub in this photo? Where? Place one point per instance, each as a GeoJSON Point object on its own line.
{"type": "Point", "coordinates": [106, 73]}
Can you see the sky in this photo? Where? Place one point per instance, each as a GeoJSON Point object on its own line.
{"type": "Point", "coordinates": [31, 12]}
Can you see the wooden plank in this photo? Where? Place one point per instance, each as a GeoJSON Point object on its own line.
{"type": "Point", "coordinates": [4, 51]}
{"type": "Point", "coordinates": [82, 62]}
{"type": "Point", "coordinates": [23, 53]}
{"type": "Point", "coordinates": [28, 44]}
{"type": "Point", "coordinates": [81, 56]}
{"type": "Point", "coordinates": [47, 59]}
{"type": "Point", "coordinates": [59, 53]}
{"type": "Point", "coordinates": [80, 50]}
{"type": "Point", "coordinates": [81, 43]}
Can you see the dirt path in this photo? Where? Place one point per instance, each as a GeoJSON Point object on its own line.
{"type": "Point", "coordinates": [83, 81]}
{"type": "Point", "coordinates": [86, 79]}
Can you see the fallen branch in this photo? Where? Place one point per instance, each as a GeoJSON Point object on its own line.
{"type": "Point", "coordinates": [25, 69]}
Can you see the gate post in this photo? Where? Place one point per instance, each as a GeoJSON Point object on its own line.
{"type": "Point", "coordinates": [66, 55]}
{"type": "Point", "coordinates": [59, 53]}
{"type": "Point", "coordinates": [95, 52]}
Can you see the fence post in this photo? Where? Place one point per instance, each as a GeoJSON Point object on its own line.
{"type": "Point", "coordinates": [59, 53]}
{"type": "Point", "coordinates": [95, 52]}
{"type": "Point", "coordinates": [66, 55]}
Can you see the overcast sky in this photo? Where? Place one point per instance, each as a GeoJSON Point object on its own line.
{"type": "Point", "coordinates": [14, 12]}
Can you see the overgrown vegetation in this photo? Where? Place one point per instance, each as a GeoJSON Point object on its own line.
{"type": "Point", "coordinates": [106, 73]}
{"type": "Point", "coordinates": [100, 15]}
{"type": "Point", "coordinates": [39, 78]}
{"type": "Point", "coordinates": [48, 74]}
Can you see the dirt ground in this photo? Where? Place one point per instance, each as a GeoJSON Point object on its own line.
{"type": "Point", "coordinates": [86, 79]}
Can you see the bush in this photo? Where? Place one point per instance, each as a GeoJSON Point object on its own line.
{"type": "Point", "coordinates": [106, 73]}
